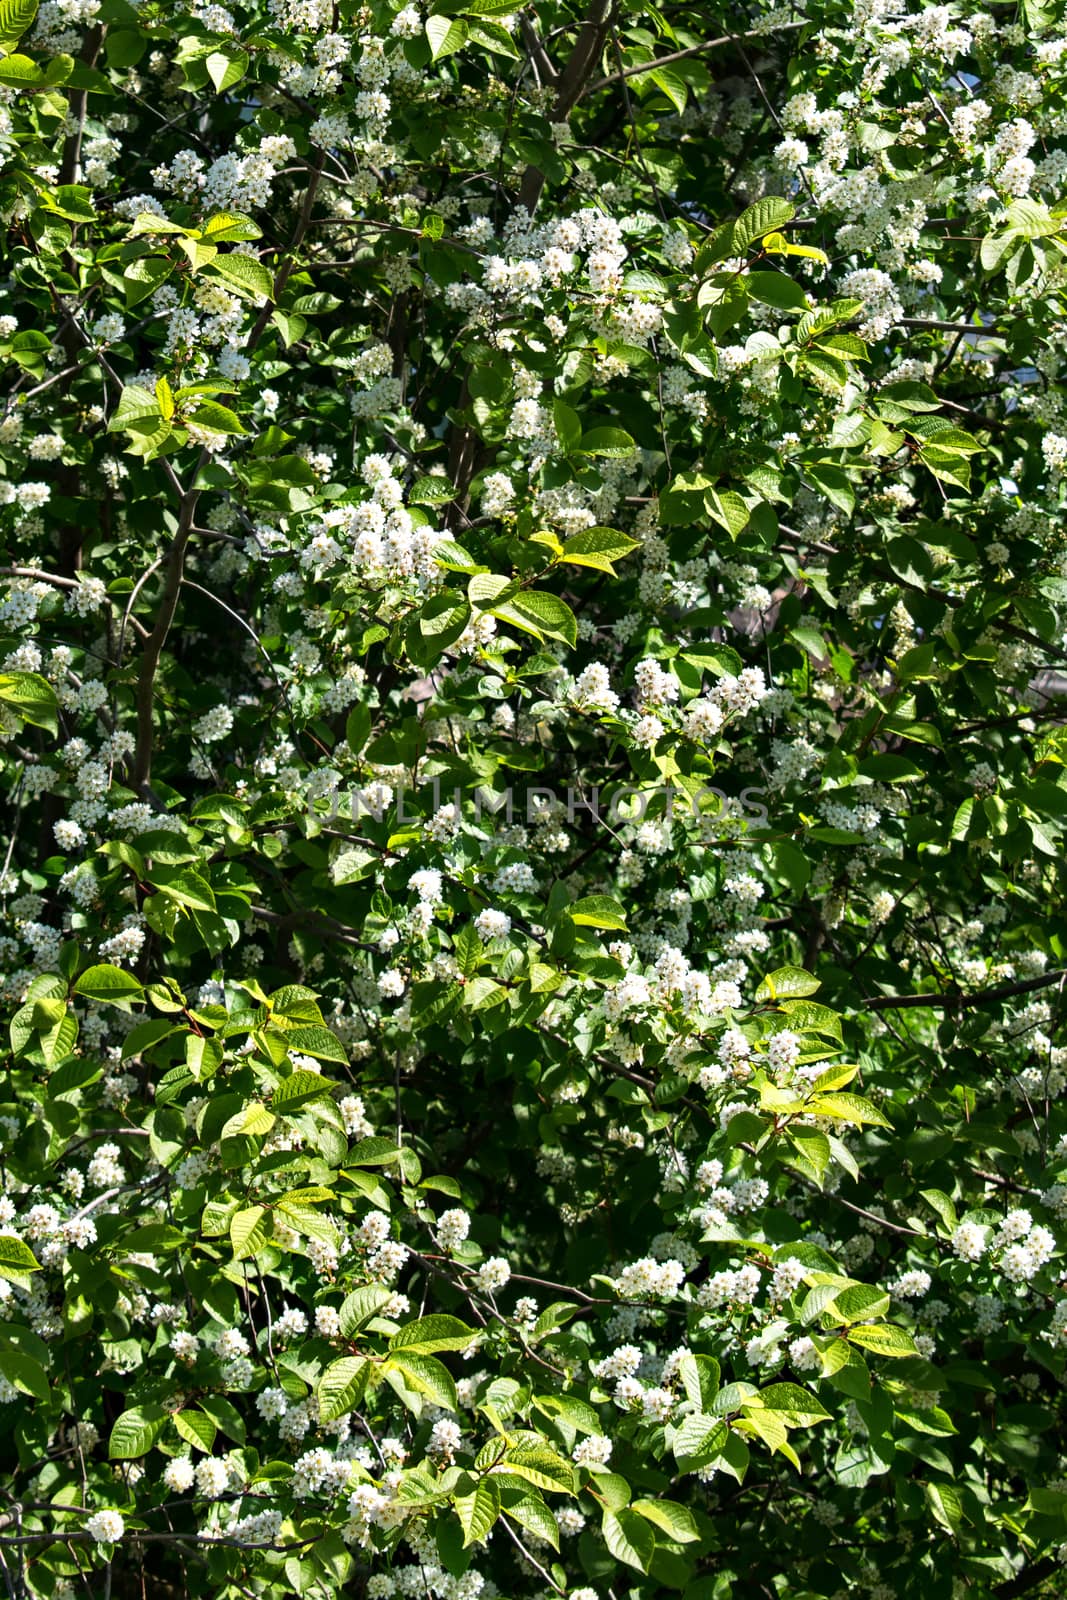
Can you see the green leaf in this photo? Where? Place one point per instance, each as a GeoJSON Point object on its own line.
{"type": "Point", "coordinates": [428, 1334]}
{"type": "Point", "coordinates": [185, 888]}
{"type": "Point", "coordinates": [317, 1042]}
{"type": "Point", "coordinates": [776, 289]}
{"type": "Point", "coordinates": [215, 418]}
{"type": "Point", "coordinates": [883, 1339]}
{"type": "Point", "coordinates": [16, 1257]}
{"type": "Point", "coordinates": [446, 35]}
{"type": "Point", "coordinates": [247, 1232]}
{"type": "Point", "coordinates": [849, 1108]}
{"type": "Point", "coordinates": [244, 274]}
{"type": "Point", "coordinates": [672, 85]}
{"type": "Point", "coordinates": [298, 1089]}
{"type": "Point", "coordinates": [799, 1405]}
{"type": "Point", "coordinates": [361, 1305]}
{"type": "Point", "coordinates": [108, 985]}
{"type": "Point", "coordinates": [614, 442]}
{"type": "Point", "coordinates": [765, 216]}
{"type": "Point", "coordinates": [135, 1432]}
{"type": "Point", "coordinates": [597, 547]}
{"type": "Point", "coordinates": [858, 1303]}
{"type": "Point", "coordinates": [342, 1386]}
{"type": "Point", "coordinates": [945, 1503]}
{"type": "Point", "coordinates": [531, 1513]}
{"type": "Point", "coordinates": [574, 1412]}
{"type": "Point", "coordinates": [31, 697]}
{"type": "Point", "coordinates": [478, 1511]}
{"type": "Point", "coordinates": [26, 1374]}
{"type": "Point", "coordinates": [548, 614]}
{"type": "Point", "coordinates": [20, 72]}
{"type": "Point", "coordinates": [598, 911]}
{"type": "Point", "coordinates": [541, 1466]}
{"type": "Point", "coordinates": [226, 67]}
{"type": "Point", "coordinates": [135, 405]}
{"type": "Point", "coordinates": [230, 226]}
{"type": "Point", "coordinates": [568, 426]}
{"type": "Point", "coordinates": [16, 18]}
{"type": "Point", "coordinates": [700, 1375]}
{"type": "Point", "coordinates": [426, 1375]}
{"type": "Point", "coordinates": [675, 1520]}
{"type": "Point", "coordinates": [698, 1440]}
{"type": "Point", "coordinates": [728, 510]}
{"type": "Point", "coordinates": [787, 983]}
{"type": "Point", "coordinates": [629, 1538]}
{"type": "Point", "coordinates": [196, 1428]}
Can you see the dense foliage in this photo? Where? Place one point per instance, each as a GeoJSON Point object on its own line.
{"type": "Point", "coordinates": [532, 570]}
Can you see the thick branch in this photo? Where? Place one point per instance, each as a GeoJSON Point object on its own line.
{"type": "Point", "coordinates": [956, 1001]}
{"type": "Point", "coordinates": [592, 35]}
{"type": "Point", "coordinates": [685, 55]}
{"type": "Point", "coordinates": [281, 277]}
{"type": "Point", "coordinates": [175, 564]}
{"type": "Point", "coordinates": [1027, 1579]}
{"type": "Point", "coordinates": [146, 676]}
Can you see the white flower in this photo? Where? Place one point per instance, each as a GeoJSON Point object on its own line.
{"type": "Point", "coordinates": [106, 1527]}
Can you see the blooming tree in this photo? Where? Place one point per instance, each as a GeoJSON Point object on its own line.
{"type": "Point", "coordinates": [532, 561]}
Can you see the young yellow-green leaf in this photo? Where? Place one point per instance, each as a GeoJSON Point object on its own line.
{"type": "Point", "coordinates": [883, 1339]}
{"type": "Point", "coordinates": [16, 18]}
{"type": "Point", "coordinates": [247, 1232]}
{"type": "Point", "coordinates": [478, 1511]}
{"type": "Point", "coordinates": [848, 1108]}
{"type": "Point", "coordinates": [165, 398]}
{"type": "Point", "coordinates": [598, 548]}
{"type": "Point", "coordinates": [540, 1465]}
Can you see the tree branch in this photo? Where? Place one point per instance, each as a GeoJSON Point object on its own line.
{"type": "Point", "coordinates": [684, 55]}
{"type": "Point", "coordinates": [146, 676]}
{"type": "Point", "coordinates": [592, 35]}
{"type": "Point", "coordinates": [957, 1001]}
